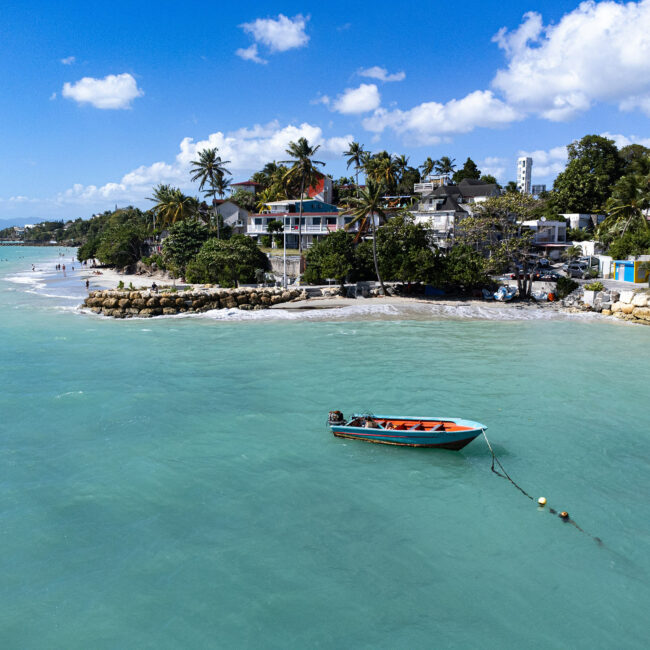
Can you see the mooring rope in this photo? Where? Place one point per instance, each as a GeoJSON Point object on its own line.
{"type": "Point", "coordinates": [542, 500]}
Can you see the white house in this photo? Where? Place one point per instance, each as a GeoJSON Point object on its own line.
{"type": "Point", "coordinates": [442, 206]}
{"type": "Point", "coordinates": [583, 220]}
{"type": "Point", "coordinates": [233, 215]}
{"type": "Point", "coordinates": [318, 219]}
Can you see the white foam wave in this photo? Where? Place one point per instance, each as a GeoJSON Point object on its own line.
{"type": "Point", "coordinates": [70, 394]}
{"type": "Point", "coordinates": [32, 280]}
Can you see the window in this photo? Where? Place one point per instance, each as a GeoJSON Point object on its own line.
{"type": "Point", "coordinates": [315, 221]}
{"type": "Point", "coordinates": [347, 220]}
{"type": "Point", "coordinates": [259, 221]}
{"type": "Point", "coordinates": [331, 221]}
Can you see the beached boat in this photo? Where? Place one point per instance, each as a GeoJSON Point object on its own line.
{"type": "Point", "coordinates": [504, 294]}
{"type": "Point", "coordinates": [408, 431]}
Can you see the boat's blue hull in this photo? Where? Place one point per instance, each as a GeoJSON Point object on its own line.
{"type": "Point", "coordinates": [451, 438]}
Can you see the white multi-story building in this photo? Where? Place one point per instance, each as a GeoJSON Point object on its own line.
{"type": "Point", "coordinates": [524, 173]}
{"type": "Point", "coordinates": [442, 206]}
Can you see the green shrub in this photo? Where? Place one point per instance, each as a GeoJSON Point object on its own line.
{"type": "Point", "coordinates": [594, 286]}
{"type": "Point", "coordinates": [120, 285]}
{"type": "Point", "coordinates": [266, 241]}
{"type": "Point", "coordinates": [565, 286]}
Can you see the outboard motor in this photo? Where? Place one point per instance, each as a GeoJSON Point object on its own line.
{"type": "Point", "coordinates": [336, 417]}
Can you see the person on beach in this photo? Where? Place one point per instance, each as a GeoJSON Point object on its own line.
{"type": "Point", "coordinates": [154, 287]}
{"type": "Point", "coordinates": [87, 284]}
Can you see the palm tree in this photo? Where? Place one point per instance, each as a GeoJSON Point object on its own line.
{"type": "Point", "coordinates": [383, 169]}
{"type": "Point", "coordinates": [303, 168]}
{"type": "Point", "coordinates": [628, 205]}
{"type": "Point", "coordinates": [171, 205]}
{"type": "Point", "coordinates": [210, 169]}
{"type": "Point", "coordinates": [445, 165]}
{"type": "Point", "coordinates": [401, 163]}
{"type": "Point", "coordinates": [356, 155]}
{"type": "Point", "coordinates": [427, 167]}
{"type": "Point", "coordinates": [364, 209]}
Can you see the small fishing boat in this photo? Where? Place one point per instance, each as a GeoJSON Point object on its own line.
{"type": "Point", "coordinates": [505, 293]}
{"type": "Point", "coordinates": [407, 431]}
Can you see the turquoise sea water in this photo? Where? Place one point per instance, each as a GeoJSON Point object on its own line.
{"type": "Point", "coordinates": [171, 483]}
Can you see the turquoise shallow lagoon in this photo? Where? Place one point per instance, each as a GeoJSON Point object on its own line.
{"type": "Point", "coordinates": [171, 483]}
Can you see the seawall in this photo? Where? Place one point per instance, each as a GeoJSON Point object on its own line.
{"type": "Point", "coordinates": [147, 303]}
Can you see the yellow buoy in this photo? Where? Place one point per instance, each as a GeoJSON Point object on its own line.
{"type": "Point", "coordinates": [542, 501]}
{"type": "Point", "coordinates": [564, 514]}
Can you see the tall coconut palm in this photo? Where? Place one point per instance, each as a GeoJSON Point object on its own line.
{"type": "Point", "coordinates": [383, 169]}
{"type": "Point", "coordinates": [401, 164]}
{"type": "Point", "coordinates": [303, 168]}
{"type": "Point", "coordinates": [210, 170]}
{"type": "Point", "coordinates": [628, 205]}
{"type": "Point", "coordinates": [445, 165]}
{"type": "Point", "coordinates": [366, 209]}
{"type": "Point", "coordinates": [356, 156]}
{"type": "Point", "coordinates": [427, 167]}
{"type": "Point", "coordinates": [171, 205]}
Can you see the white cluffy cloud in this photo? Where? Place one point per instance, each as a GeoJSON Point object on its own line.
{"type": "Point", "coordinates": [626, 140]}
{"type": "Point", "coordinates": [494, 166]}
{"type": "Point", "coordinates": [69, 60]}
{"type": "Point", "coordinates": [382, 74]}
{"type": "Point", "coordinates": [427, 122]}
{"type": "Point", "coordinates": [250, 54]}
{"type": "Point", "coordinates": [598, 52]}
{"type": "Point", "coordinates": [111, 92]}
{"type": "Point", "coordinates": [247, 149]}
{"type": "Point", "coordinates": [357, 100]}
{"type": "Point", "coordinates": [278, 34]}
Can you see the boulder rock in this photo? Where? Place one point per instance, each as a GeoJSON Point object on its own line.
{"type": "Point", "coordinates": [640, 300]}
{"type": "Point", "coordinates": [627, 308]}
{"type": "Point", "coordinates": [642, 313]}
{"type": "Point", "coordinates": [617, 306]}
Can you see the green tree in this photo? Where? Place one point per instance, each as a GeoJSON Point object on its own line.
{"type": "Point", "coordinates": [511, 188]}
{"type": "Point", "coordinates": [183, 243]}
{"type": "Point", "coordinates": [631, 243]}
{"type": "Point", "coordinates": [405, 252]}
{"type": "Point", "coordinates": [210, 170]}
{"type": "Point", "coordinates": [227, 262]}
{"type": "Point", "coordinates": [468, 170]}
{"type": "Point", "coordinates": [244, 199]}
{"type": "Point", "coordinates": [446, 165]}
{"type": "Point", "coordinates": [332, 257]}
{"type": "Point", "coordinates": [626, 208]}
{"type": "Point", "coordinates": [383, 169]}
{"type": "Point", "coordinates": [171, 205]}
{"type": "Point", "coordinates": [356, 156]}
{"type": "Point", "coordinates": [365, 209]}
{"type": "Point", "coordinates": [464, 268]}
{"type": "Point", "coordinates": [488, 178]}
{"type": "Point", "coordinates": [428, 166]}
{"type": "Point", "coordinates": [593, 167]}
{"type": "Point", "coordinates": [303, 168]}
{"type": "Point", "coordinates": [121, 245]}
{"type": "Point", "coordinates": [495, 229]}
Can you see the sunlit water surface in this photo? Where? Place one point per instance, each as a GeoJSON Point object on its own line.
{"type": "Point", "coordinates": [171, 483]}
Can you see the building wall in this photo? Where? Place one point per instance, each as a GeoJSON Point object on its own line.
{"type": "Point", "coordinates": [524, 174]}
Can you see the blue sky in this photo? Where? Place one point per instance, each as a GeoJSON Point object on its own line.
{"type": "Point", "coordinates": [101, 101]}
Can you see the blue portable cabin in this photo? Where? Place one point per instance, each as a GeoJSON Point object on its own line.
{"type": "Point", "coordinates": [633, 271]}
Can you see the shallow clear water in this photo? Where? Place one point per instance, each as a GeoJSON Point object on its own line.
{"type": "Point", "coordinates": [171, 482]}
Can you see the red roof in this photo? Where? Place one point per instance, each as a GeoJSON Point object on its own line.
{"type": "Point", "coordinates": [248, 183]}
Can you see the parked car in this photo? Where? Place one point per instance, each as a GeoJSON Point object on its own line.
{"type": "Point", "coordinates": [577, 270]}
{"type": "Point", "coordinates": [549, 275]}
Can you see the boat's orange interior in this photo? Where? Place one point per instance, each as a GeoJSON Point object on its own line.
{"type": "Point", "coordinates": [411, 425]}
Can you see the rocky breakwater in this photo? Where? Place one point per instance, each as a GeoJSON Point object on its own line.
{"type": "Point", "coordinates": [627, 304]}
{"type": "Point", "coordinates": [147, 303]}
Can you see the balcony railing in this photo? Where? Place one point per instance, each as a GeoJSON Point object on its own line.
{"type": "Point", "coordinates": [306, 229]}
